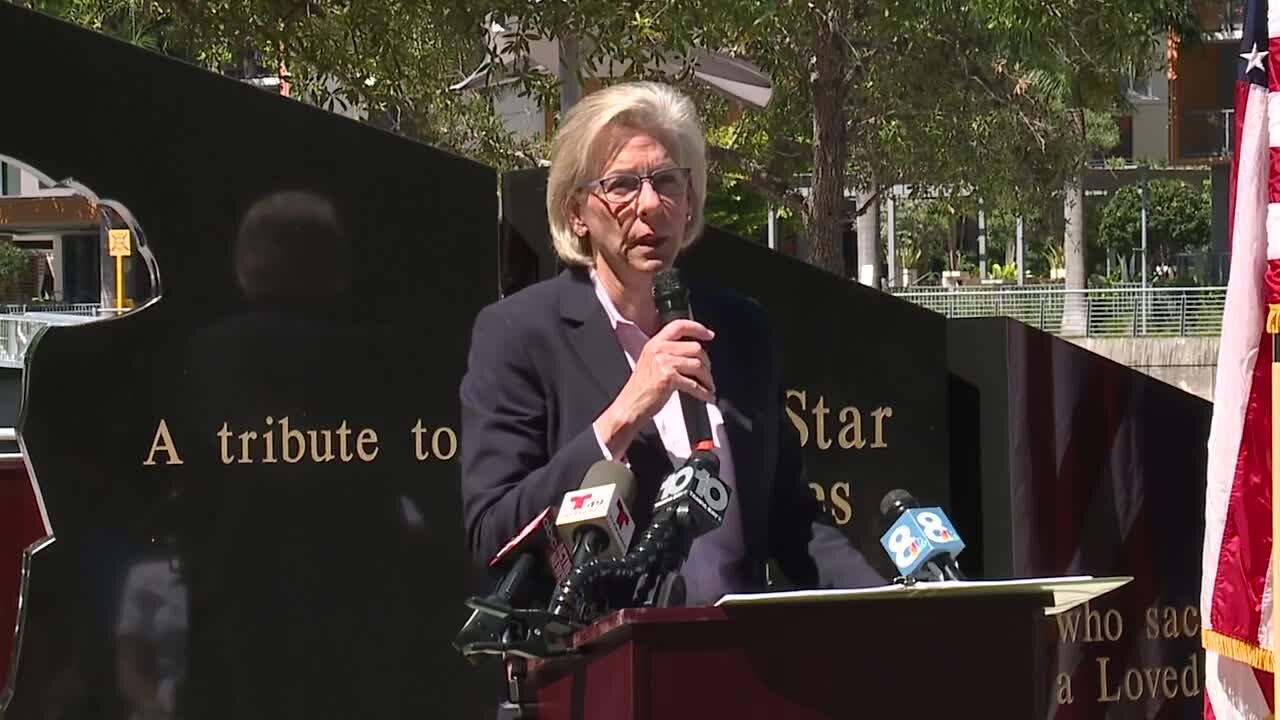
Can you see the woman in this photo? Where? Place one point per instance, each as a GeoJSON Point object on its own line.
{"type": "Point", "coordinates": [576, 369]}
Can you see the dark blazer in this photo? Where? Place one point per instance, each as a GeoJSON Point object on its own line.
{"type": "Point", "coordinates": [544, 363]}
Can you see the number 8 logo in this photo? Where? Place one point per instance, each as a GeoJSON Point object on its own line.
{"type": "Point", "coordinates": [933, 527]}
{"type": "Point", "coordinates": [903, 546]}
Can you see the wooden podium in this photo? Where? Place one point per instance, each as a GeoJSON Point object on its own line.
{"type": "Point", "coordinates": [975, 649]}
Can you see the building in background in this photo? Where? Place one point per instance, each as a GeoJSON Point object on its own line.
{"type": "Point", "coordinates": [59, 230]}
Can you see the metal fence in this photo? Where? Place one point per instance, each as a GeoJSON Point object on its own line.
{"type": "Point", "coordinates": [1100, 312]}
{"type": "Point", "coordinates": [20, 323]}
{"type": "Point", "coordinates": [16, 332]}
{"type": "Point", "coordinates": [90, 309]}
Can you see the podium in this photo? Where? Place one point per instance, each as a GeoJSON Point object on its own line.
{"type": "Point", "coordinates": [967, 649]}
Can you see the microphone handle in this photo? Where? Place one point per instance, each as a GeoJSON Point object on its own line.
{"type": "Point", "coordinates": [588, 542]}
{"type": "Point", "coordinates": [696, 420]}
{"type": "Point", "coordinates": [516, 577]}
{"type": "Point", "coordinates": [697, 423]}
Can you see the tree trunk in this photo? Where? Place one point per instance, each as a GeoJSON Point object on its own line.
{"type": "Point", "coordinates": [869, 238]}
{"type": "Point", "coordinates": [1074, 316]}
{"type": "Point", "coordinates": [824, 216]}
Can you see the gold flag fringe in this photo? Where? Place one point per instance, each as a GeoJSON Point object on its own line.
{"type": "Point", "coordinates": [1238, 650]}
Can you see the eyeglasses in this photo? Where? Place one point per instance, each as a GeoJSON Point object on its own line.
{"type": "Point", "coordinates": [621, 188]}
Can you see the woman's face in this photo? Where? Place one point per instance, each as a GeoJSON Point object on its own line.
{"type": "Point", "coordinates": [636, 229]}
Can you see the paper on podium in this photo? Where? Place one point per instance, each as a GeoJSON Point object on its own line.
{"type": "Point", "coordinates": [1067, 592]}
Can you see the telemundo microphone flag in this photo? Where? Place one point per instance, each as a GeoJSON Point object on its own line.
{"type": "Point", "coordinates": [1236, 584]}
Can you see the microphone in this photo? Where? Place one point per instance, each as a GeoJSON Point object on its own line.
{"type": "Point", "coordinates": [596, 521]}
{"type": "Point", "coordinates": [672, 300]}
{"type": "Point", "coordinates": [691, 502]}
{"type": "Point", "coordinates": [540, 532]}
{"type": "Point", "coordinates": [695, 494]}
{"type": "Point", "coordinates": [920, 538]}
{"type": "Point", "coordinates": [523, 558]}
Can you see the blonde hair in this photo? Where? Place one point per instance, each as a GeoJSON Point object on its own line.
{"type": "Point", "coordinates": [576, 157]}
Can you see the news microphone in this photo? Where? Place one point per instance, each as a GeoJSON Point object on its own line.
{"type": "Point", "coordinates": [537, 545]}
{"type": "Point", "coordinates": [920, 538]}
{"type": "Point", "coordinates": [596, 521]}
{"type": "Point", "coordinates": [672, 300]}
{"type": "Point", "coordinates": [538, 533]}
{"type": "Point", "coordinates": [696, 494]}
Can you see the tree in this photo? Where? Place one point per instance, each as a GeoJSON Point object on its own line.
{"type": "Point", "coordinates": [865, 95]}
{"type": "Point", "coordinates": [395, 60]}
{"type": "Point", "coordinates": [936, 92]}
{"type": "Point", "coordinates": [1178, 217]}
{"type": "Point", "coordinates": [1075, 52]}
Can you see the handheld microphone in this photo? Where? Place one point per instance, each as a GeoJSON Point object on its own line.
{"type": "Point", "coordinates": [672, 300]}
{"type": "Point", "coordinates": [522, 558]}
{"type": "Point", "coordinates": [920, 538]}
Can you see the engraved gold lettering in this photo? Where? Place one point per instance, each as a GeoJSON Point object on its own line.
{"type": "Point", "coordinates": [419, 452]}
{"type": "Point", "coordinates": [1069, 626]}
{"type": "Point", "coordinates": [269, 442]}
{"type": "Point", "coordinates": [449, 447]}
{"type": "Point", "coordinates": [1169, 622]}
{"type": "Point", "coordinates": [343, 433]}
{"type": "Point", "coordinates": [224, 435]}
{"type": "Point", "coordinates": [880, 414]}
{"type": "Point", "coordinates": [1149, 683]}
{"type": "Point", "coordinates": [1099, 626]}
{"type": "Point", "coordinates": [1189, 678]}
{"type": "Point", "coordinates": [1169, 683]}
{"type": "Point", "coordinates": [1092, 624]}
{"type": "Point", "coordinates": [367, 437]}
{"type": "Point", "coordinates": [820, 412]}
{"type": "Point", "coordinates": [246, 454]}
{"type": "Point", "coordinates": [851, 430]}
{"type": "Point", "coordinates": [1132, 684]}
{"type": "Point", "coordinates": [841, 510]}
{"type": "Point", "coordinates": [796, 420]}
{"type": "Point", "coordinates": [290, 437]}
{"type": "Point", "coordinates": [444, 443]}
{"type": "Point", "coordinates": [818, 492]}
{"type": "Point", "coordinates": [1065, 695]}
{"type": "Point", "coordinates": [1113, 631]}
{"type": "Point", "coordinates": [163, 442]}
{"type": "Point", "coordinates": [316, 456]}
{"type": "Point", "coordinates": [1104, 682]}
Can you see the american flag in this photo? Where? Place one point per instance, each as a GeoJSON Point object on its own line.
{"type": "Point", "coordinates": [1236, 589]}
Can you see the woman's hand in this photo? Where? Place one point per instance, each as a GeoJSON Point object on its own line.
{"type": "Point", "coordinates": [673, 360]}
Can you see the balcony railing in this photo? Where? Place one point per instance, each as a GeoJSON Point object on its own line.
{"type": "Point", "coordinates": [1104, 312]}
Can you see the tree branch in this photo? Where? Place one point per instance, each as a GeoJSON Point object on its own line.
{"type": "Point", "coordinates": [776, 189]}
{"type": "Point", "coordinates": [996, 97]}
{"type": "Point", "coordinates": [860, 209]}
